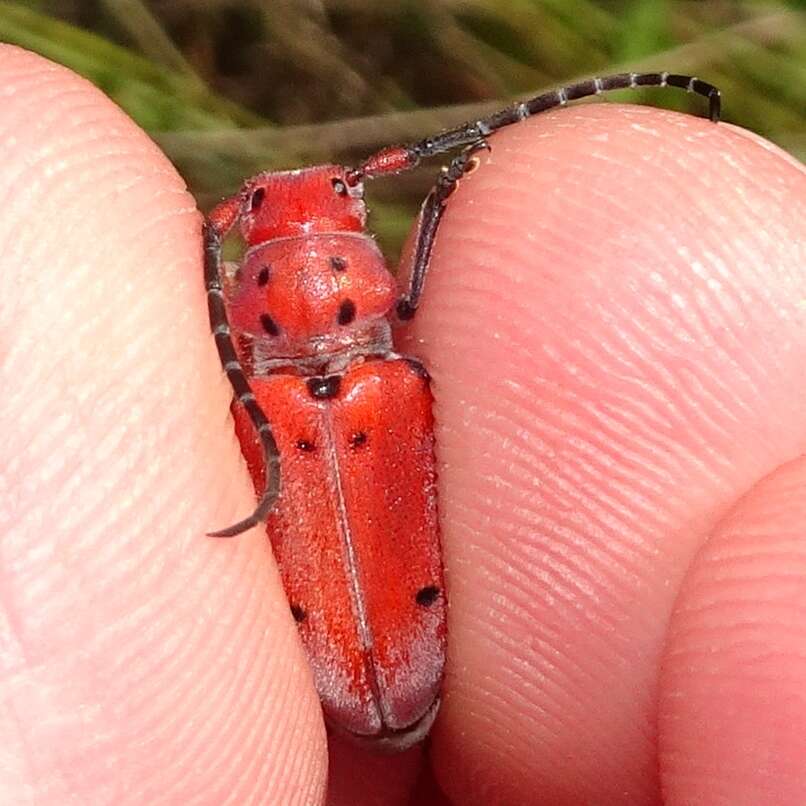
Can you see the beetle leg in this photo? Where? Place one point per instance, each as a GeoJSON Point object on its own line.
{"type": "Point", "coordinates": [430, 217]}
{"type": "Point", "coordinates": [473, 134]}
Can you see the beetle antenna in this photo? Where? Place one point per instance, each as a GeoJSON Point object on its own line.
{"type": "Point", "coordinates": [217, 224]}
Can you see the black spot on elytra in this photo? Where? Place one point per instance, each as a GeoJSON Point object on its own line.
{"type": "Point", "coordinates": [324, 387]}
{"type": "Point", "coordinates": [358, 439]}
{"type": "Point", "coordinates": [427, 596]}
{"type": "Point", "coordinates": [418, 368]}
{"type": "Point", "coordinates": [298, 613]}
{"type": "Point", "coordinates": [257, 199]}
{"type": "Point", "coordinates": [305, 446]}
{"type": "Point", "coordinates": [346, 312]}
{"type": "Point", "coordinates": [338, 263]}
{"type": "Point", "coordinates": [263, 276]}
{"type": "Point", "coordinates": [269, 325]}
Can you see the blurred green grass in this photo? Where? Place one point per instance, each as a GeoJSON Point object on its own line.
{"type": "Point", "coordinates": [231, 87]}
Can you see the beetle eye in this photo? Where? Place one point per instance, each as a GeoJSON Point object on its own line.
{"type": "Point", "coordinates": [257, 199]}
{"type": "Point", "coordinates": [339, 186]}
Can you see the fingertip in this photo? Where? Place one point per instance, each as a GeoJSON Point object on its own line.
{"type": "Point", "coordinates": [612, 323]}
{"type": "Point", "coordinates": [732, 715]}
{"type": "Point", "coordinates": [135, 636]}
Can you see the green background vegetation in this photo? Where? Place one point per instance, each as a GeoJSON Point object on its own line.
{"type": "Point", "coordinates": [231, 87]}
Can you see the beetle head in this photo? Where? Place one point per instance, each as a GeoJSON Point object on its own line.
{"type": "Point", "coordinates": [282, 204]}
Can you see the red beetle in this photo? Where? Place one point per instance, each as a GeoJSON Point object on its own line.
{"type": "Point", "coordinates": [337, 428]}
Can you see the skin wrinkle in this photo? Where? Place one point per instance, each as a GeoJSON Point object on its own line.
{"type": "Point", "coordinates": [601, 453]}
{"type": "Point", "coordinates": [626, 403]}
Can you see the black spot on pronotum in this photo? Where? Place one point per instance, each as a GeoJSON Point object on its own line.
{"type": "Point", "coordinates": [322, 388]}
{"type": "Point", "coordinates": [263, 276]}
{"type": "Point", "coordinates": [269, 325]}
{"type": "Point", "coordinates": [338, 263]}
{"type": "Point", "coordinates": [427, 596]}
{"type": "Point", "coordinates": [404, 310]}
{"type": "Point", "coordinates": [358, 439]}
{"type": "Point", "coordinates": [257, 199]}
{"type": "Point", "coordinates": [298, 613]}
{"type": "Point", "coordinates": [305, 446]}
{"type": "Point", "coordinates": [339, 186]}
{"type": "Point", "coordinates": [346, 312]}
